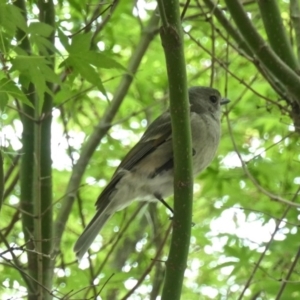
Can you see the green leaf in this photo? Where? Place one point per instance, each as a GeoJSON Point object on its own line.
{"type": "Point", "coordinates": [11, 18]}
{"type": "Point", "coordinates": [63, 94]}
{"type": "Point", "coordinates": [103, 61]}
{"type": "Point", "coordinates": [63, 38]}
{"type": "Point", "coordinates": [80, 44]}
{"type": "Point", "coordinates": [39, 32]}
{"type": "Point", "coordinates": [3, 99]}
{"type": "Point", "coordinates": [87, 72]}
{"type": "Point", "coordinates": [43, 44]}
{"type": "Point", "coordinates": [83, 60]}
{"type": "Point", "coordinates": [35, 69]}
{"type": "Point", "coordinates": [40, 28]}
{"type": "Point", "coordinates": [8, 87]}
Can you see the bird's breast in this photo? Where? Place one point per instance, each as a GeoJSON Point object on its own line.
{"type": "Point", "coordinates": [206, 136]}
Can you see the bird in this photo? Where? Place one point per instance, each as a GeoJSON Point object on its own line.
{"type": "Point", "coordinates": [146, 172]}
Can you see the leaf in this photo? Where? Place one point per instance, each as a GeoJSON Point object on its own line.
{"type": "Point", "coordinates": [87, 72]}
{"type": "Point", "coordinates": [35, 69]}
{"type": "Point", "coordinates": [8, 87]}
{"type": "Point", "coordinates": [63, 38]}
{"type": "Point", "coordinates": [102, 61]}
{"type": "Point", "coordinates": [80, 44]}
{"type": "Point", "coordinates": [11, 18]}
{"type": "Point", "coordinates": [83, 60]}
{"type": "Point", "coordinates": [3, 99]}
{"type": "Point", "coordinates": [62, 95]}
{"type": "Point", "coordinates": [43, 44]}
{"type": "Point", "coordinates": [40, 28]}
{"type": "Point", "coordinates": [39, 32]}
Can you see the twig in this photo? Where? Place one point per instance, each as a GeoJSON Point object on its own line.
{"type": "Point", "coordinates": [288, 275]}
{"type": "Point", "coordinates": [252, 179]}
{"type": "Point", "coordinates": [148, 270]}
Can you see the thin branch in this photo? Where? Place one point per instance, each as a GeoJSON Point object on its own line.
{"type": "Point", "coordinates": [17, 264]}
{"type": "Point", "coordinates": [162, 14]}
{"type": "Point", "coordinates": [12, 166]}
{"type": "Point", "coordinates": [232, 74]}
{"type": "Point", "coordinates": [116, 241]}
{"type": "Point", "coordinates": [105, 21]}
{"type": "Point", "coordinates": [210, 20]}
{"type": "Point", "coordinates": [185, 9]}
{"type": "Point", "coordinates": [95, 16]}
{"type": "Point", "coordinates": [263, 52]}
{"type": "Point", "coordinates": [276, 32]}
{"type": "Point", "coordinates": [149, 268]}
{"type": "Point", "coordinates": [288, 275]}
{"type": "Point", "coordinates": [11, 186]}
{"type": "Point", "coordinates": [13, 220]}
{"type": "Point", "coordinates": [257, 265]}
{"type": "Point", "coordinates": [270, 195]}
{"type": "Point", "coordinates": [241, 44]}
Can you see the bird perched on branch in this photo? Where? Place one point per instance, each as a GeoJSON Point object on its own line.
{"type": "Point", "coordinates": [146, 173]}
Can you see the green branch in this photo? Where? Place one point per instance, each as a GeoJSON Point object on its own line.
{"type": "Point", "coordinates": [235, 34]}
{"type": "Point", "coordinates": [263, 52]}
{"type": "Point", "coordinates": [276, 32]}
{"type": "Point", "coordinates": [26, 167]}
{"type": "Point", "coordinates": [47, 15]}
{"type": "Point", "coordinates": [1, 180]}
{"type": "Point", "coordinates": [172, 41]}
{"type": "Point", "coordinates": [295, 17]}
{"type": "Point", "coordinates": [241, 43]}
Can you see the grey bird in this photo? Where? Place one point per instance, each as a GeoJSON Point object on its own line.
{"type": "Point", "coordinates": [146, 172]}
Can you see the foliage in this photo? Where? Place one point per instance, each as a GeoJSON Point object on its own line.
{"type": "Point", "coordinates": [99, 71]}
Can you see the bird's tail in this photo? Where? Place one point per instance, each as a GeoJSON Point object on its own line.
{"type": "Point", "coordinates": [89, 234]}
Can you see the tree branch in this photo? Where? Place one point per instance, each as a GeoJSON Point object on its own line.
{"type": "Point", "coordinates": [295, 17]}
{"type": "Point", "coordinates": [27, 165]}
{"type": "Point", "coordinates": [172, 41]}
{"type": "Point", "coordinates": [263, 52]}
{"type": "Point", "coordinates": [275, 30]}
{"type": "Point", "coordinates": [47, 15]}
{"type": "Point", "coordinates": [241, 43]}
{"type": "Point", "coordinates": [1, 181]}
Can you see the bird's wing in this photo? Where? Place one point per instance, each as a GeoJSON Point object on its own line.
{"type": "Point", "coordinates": [157, 133]}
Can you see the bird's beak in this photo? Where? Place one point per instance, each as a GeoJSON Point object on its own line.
{"type": "Point", "coordinates": [224, 101]}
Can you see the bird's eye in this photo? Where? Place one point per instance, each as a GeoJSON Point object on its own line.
{"type": "Point", "coordinates": [213, 99]}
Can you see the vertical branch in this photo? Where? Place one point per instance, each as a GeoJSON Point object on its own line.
{"type": "Point", "coordinates": [1, 180]}
{"type": "Point", "coordinates": [240, 41]}
{"type": "Point", "coordinates": [38, 237]}
{"type": "Point", "coordinates": [47, 15]}
{"type": "Point", "coordinates": [210, 20]}
{"type": "Point", "coordinates": [235, 34]}
{"type": "Point", "coordinates": [295, 17]}
{"type": "Point", "coordinates": [26, 167]}
{"type": "Point", "coordinates": [276, 32]}
{"type": "Point", "coordinates": [213, 50]}
{"type": "Point", "coordinates": [172, 41]}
